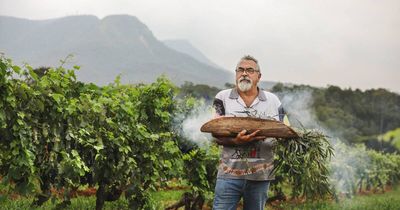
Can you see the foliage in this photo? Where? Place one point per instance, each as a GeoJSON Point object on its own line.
{"type": "Point", "coordinates": [392, 137]}
{"type": "Point", "coordinates": [198, 91]}
{"type": "Point", "coordinates": [303, 163]}
{"type": "Point", "coordinates": [59, 133]}
{"type": "Point", "coordinates": [201, 169]}
{"type": "Point", "coordinates": [355, 169]}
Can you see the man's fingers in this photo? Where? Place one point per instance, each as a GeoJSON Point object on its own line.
{"type": "Point", "coordinates": [251, 137]}
{"type": "Point", "coordinates": [242, 133]}
{"type": "Point", "coordinates": [254, 133]}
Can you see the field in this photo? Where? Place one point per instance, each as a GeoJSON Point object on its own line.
{"type": "Point", "coordinates": [389, 200]}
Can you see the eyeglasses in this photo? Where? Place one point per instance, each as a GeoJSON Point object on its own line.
{"type": "Point", "coordinates": [241, 70]}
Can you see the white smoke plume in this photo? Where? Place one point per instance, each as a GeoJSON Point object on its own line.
{"type": "Point", "coordinates": [347, 160]}
{"type": "Point", "coordinates": [192, 123]}
{"type": "Point", "coordinates": [297, 106]}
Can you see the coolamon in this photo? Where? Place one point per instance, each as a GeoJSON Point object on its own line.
{"type": "Point", "coordinates": [231, 126]}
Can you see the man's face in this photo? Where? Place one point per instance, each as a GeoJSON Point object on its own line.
{"type": "Point", "coordinates": [245, 80]}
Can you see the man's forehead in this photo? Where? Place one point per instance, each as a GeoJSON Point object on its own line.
{"type": "Point", "coordinates": [247, 63]}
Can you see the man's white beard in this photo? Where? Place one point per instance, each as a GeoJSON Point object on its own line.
{"type": "Point", "coordinates": [245, 84]}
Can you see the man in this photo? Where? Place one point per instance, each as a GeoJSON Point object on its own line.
{"type": "Point", "coordinates": [246, 160]}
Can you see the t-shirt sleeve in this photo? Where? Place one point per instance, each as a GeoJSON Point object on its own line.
{"type": "Point", "coordinates": [218, 105]}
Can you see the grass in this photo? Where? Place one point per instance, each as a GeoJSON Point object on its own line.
{"type": "Point", "coordinates": [168, 197]}
{"type": "Point", "coordinates": [386, 201]}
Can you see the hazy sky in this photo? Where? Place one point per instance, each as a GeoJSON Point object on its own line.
{"type": "Point", "coordinates": [350, 43]}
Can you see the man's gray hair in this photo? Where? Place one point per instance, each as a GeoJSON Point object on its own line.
{"type": "Point", "coordinates": [249, 58]}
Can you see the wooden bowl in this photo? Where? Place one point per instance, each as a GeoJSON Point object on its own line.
{"type": "Point", "coordinates": [231, 126]}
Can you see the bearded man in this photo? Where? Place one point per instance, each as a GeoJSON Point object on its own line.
{"type": "Point", "coordinates": [246, 160]}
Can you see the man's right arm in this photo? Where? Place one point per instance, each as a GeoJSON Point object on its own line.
{"type": "Point", "coordinates": [218, 105]}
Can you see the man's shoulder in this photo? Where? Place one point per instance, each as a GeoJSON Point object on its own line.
{"type": "Point", "coordinates": [223, 94]}
{"type": "Point", "coordinates": [271, 96]}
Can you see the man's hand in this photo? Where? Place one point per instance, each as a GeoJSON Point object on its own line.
{"type": "Point", "coordinates": [242, 138]}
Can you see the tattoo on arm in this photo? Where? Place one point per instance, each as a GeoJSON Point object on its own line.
{"type": "Point", "coordinates": [218, 105]}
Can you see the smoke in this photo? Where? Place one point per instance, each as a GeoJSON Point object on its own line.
{"type": "Point", "coordinates": [297, 105]}
{"type": "Point", "coordinates": [191, 125]}
{"type": "Point", "coordinates": [347, 161]}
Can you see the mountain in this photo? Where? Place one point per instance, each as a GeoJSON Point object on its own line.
{"type": "Point", "coordinates": [184, 46]}
{"type": "Point", "coordinates": [104, 48]}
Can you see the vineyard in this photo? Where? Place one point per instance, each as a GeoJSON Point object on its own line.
{"type": "Point", "coordinates": [59, 135]}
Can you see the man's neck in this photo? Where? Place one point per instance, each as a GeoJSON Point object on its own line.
{"type": "Point", "coordinates": [249, 96]}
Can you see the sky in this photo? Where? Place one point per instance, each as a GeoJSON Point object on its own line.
{"type": "Point", "coordinates": [348, 43]}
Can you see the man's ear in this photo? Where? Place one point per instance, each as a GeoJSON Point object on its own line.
{"type": "Point", "coordinates": [259, 75]}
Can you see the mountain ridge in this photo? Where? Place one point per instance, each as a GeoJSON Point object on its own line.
{"type": "Point", "coordinates": [184, 46]}
{"type": "Point", "coordinates": [104, 48]}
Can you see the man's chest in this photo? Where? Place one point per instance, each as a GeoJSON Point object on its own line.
{"type": "Point", "coordinates": [259, 109]}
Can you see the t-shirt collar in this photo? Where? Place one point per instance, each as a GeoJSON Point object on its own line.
{"type": "Point", "coordinates": [235, 95]}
